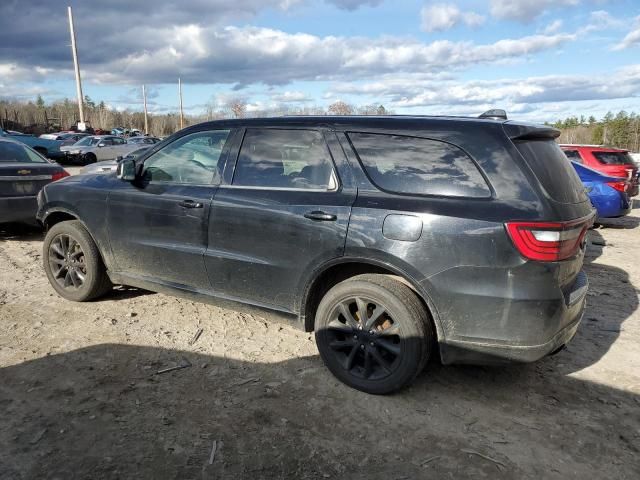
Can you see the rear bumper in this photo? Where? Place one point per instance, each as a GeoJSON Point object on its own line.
{"type": "Point", "coordinates": [476, 353]}
{"type": "Point", "coordinates": [613, 206]}
{"type": "Point", "coordinates": [18, 209]}
{"type": "Point", "coordinates": [525, 330]}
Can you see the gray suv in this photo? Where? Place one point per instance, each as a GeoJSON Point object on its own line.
{"type": "Point", "coordinates": [395, 239]}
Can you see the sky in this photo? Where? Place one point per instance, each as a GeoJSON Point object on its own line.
{"type": "Point", "coordinates": [540, 60]}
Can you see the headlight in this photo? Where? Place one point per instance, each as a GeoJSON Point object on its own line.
{"type": "Point", "coordinates": [75, 152]}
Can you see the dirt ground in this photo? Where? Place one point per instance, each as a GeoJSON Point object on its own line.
{"type": "Point", "coordinates": [80, 396]}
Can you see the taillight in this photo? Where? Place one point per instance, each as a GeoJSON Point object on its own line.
{"type": "Point", "coordinates": [620, 186]}
{"type": "Point", "coordinates": [59, 175]}
{"type": "Point", "coordinates": [548, 241]}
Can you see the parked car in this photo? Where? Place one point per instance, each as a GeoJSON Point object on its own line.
{"type": "Point", "coordinates": [65, 138]}
{"type": "Point", "coordinates": [45, 147]}
{"type": "Point", "coordinates": [636, 159]}
{"type": "Point", "coordinates": [607, 194]}
{"type": "Point", "coordinates": [109, 166]}
{"type": "Point", "coordinates": [23, 172]}
{"type": "Point", "coordinates": [614, 162]}
{"type": "Point", "coordinates": [97, 148]}
{"type": "Point", "coordinates": [393, 238]}
{"type": "Point", "coordinates": [142, 140]}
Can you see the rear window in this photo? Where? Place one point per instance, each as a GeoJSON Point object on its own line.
{"type": "Point", "coordinates": [573, 155]}
{"type": "Point", "coordinates": [14, 153]}
{"type": "Point", "coordinates": [613, 158]}
{"type": "Point", "coordinates": [553, 169]}
{"type": "Point", "coordinates": [418, 166]}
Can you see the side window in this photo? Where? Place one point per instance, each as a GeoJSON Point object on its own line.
{"type": "Point", "coordinates": [419, 166]}
{"type": "Point", "coordinates": [275, 158]}
{"type": "Point", "coordinates": [107, 141]}
{"type": "Point", "coordinates": [193, 159]}
{"type": "Point", "coordinates": [573, 155]}
{"type": "Point", "coordinates": [118, 141]}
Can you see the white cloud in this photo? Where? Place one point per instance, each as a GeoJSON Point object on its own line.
{"type": "Point", "coordinates": [290, 97]}
{"type": "Point", "coordinates": [354, 4]}
{"type": "Point", "coordinates": [253, 55]}
{"type": "Point", "coordinates": [512, 94]}
{"type": "Point", "coordinates": [444, 16]}
{"type": "Point", "coordinates": [553, 27]}
{"type": "Point", "coordinates": [631, 39]}
{"type": "Point", "coordinates": [525, 10]}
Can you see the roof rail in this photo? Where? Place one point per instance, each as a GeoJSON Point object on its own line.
{"type": "Point", "coordinates": [495, 113]}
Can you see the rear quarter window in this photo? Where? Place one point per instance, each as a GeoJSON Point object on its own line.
{"type": "Point", "coordinates": [553, 170]}
{"type": "Point", "coordinates": [418, 166]}
{"type": "Point", "coordinates": [613, 158]}
{"type": "Point", "coordinates": [573, 155]}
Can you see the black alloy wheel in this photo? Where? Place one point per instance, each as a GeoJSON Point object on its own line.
{"type": "Point", "coordinates": [67, 262]}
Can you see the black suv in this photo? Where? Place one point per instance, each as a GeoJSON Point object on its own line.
{"type": "Point", "coordinates": [390, 237]}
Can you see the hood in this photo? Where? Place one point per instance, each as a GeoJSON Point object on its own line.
{"type": "Point", "coordinates": [69, 148]}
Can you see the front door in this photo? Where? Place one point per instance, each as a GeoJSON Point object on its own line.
{"type": "Point", "coordinates": [104, 150]}
{"type": "Point", "coordinates": [158, 224]}
{"type": "Point", "coordinates": [279, 215]}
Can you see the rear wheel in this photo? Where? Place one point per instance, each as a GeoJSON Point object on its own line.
{"type": "Point", "coordinates": [373, 333]}
{"type": "Point", "coordinates": [73, 264]}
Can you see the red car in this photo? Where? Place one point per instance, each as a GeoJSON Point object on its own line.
{"type": "Point", "coordinates": [614, 162]}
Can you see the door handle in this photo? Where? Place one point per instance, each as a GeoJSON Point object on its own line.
{"type": "Point", "coordinates": [190, 204]}
{"type": "Point", "coordinates": [320, 216]}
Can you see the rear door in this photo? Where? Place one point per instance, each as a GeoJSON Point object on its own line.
{"type": "Point", "coordinates": [158, 225]}
{"type": "Point", "coordinates": [281, 213]}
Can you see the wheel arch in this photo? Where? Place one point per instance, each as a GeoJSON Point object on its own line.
{"type": "Point", "coordinates": [337, 271]}
{"type": "Point", "coordinates": [61, 214]}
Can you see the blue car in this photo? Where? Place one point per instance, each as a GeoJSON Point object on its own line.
{"type": "Point", "coordinates": [607, 194]}
{"type": "Point", "coordinates": [45, 147]}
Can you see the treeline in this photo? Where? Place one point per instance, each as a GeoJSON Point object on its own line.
{"type": "Point", "coordinates": [38, 117]}
{"type": "Point", "coordinates": [621, 130]}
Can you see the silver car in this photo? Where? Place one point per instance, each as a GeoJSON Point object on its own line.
{"type": "Point", "coordinates": [97, 148]}
{"type": "Point", "coordinates": [109, 166]}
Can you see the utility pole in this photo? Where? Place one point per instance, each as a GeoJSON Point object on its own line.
{"type": "Point", "coordinates": [144, 100]}
{"type": "Point", "coordinates": [181, 112]}
{"type": "Point", "coordinates": [74, 50]}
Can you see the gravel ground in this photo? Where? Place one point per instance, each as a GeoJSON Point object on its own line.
{"type": "Point", "coordinates": [80, 395]}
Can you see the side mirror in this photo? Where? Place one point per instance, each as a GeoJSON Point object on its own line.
{"type": "Point", "coordinates": [126, 170]}
{"type": "Point", "coordinates": [119, 158]}
{"type": "Point", "coordinates": [101, 144]}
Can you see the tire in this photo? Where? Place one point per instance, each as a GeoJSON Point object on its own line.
{"type": "Point", "coordinates": [89, 158]}
{"type": "Point", "coordinates": [385, 355]}
{"type": "Point", "coordinates": [73, 264]}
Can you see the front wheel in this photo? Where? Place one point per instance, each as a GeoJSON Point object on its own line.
{"type": "Point", "coordinates": [373, 333]}
{"type": "Point", "coordinates": [73, 264]}
{"type": "Point", "coordinates": [89, 158]}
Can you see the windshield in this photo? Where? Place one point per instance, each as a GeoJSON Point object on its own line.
{"type": "Point", "coordinates": [14, 153]}
{"type": "Point", "coordinates": [87, 141]}
{"type": "Point", "coordinates": [614, 158]}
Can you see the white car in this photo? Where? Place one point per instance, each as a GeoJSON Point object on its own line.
{"type": "Point", "coordinates": [97, 148]}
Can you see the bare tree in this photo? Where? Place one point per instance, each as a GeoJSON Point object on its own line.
{"type": "Point", "coordinates": [238, 107]}
{"type": "Point", "coordinates": [340, 108]}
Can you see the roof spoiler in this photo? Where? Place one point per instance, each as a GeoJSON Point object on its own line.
{"type": "Point", "coordinates": [529, 131]}
{"type": "Point", "coordinates": [495, 114]}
